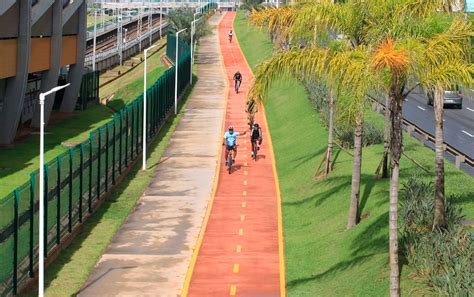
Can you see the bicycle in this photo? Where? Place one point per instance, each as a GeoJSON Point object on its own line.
{"type": "Point", "coordinates": [255, 149]}
{"type": "Point", "coordinates": [237, 86]}
{"type": "Point", "coordinates": [229, 160]}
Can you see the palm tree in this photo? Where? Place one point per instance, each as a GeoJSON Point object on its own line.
{"type": "Point", "coordinates": [322, 17]}
{"type": "Point", "coordinates": [437, 61]}
{"type": "Point", "coordinates": [404, 42]}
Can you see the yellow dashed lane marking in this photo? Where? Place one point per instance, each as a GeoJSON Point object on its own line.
{"type": "Point", "coordinates": [238, 248]}
{"type": "Point", "coordinates": [242, 217]}
{"type": "Point", "coordinates": [235, 269]}
{"type": "Point", "coordinates": [244, 204]}
{"type": "Point", "coordinates": [246, 172]}
{"type": "Point", "coordinates": [241, 231]}
{"type": "Point", "coordinates": [233, 290]}
{"type": "Point", "coordinates": [245, 182]}
{"type": "Point", "coordinates": [245, 163]}
{"type": "Point", "coordinates": [244, 193]}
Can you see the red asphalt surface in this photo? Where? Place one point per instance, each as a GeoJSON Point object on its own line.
{"type": "Point", "coordinates": [244, 212]}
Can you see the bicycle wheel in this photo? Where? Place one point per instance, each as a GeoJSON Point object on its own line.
{"type": "Point", "coordinates": [255, 149]}
{"type": "Point", "coordinates": [229, 162]}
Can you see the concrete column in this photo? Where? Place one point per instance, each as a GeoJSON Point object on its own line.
{"type": "Point", "coordinates": [49, 78]}
{"type": "Point", "coordinates": [16, 86]}
{"type": "Point", "coordinates": [77, 70]}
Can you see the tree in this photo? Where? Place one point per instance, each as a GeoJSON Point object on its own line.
{"type": "Point", "coordinates": [181, 18]}
{"type": "Point", "coordinates": [405, 41]}
{"type": "Point", "coordinates": [251, 4]}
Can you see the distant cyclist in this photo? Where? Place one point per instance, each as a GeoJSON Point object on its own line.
{"type": "Point", "coordinates": [238, 81]}
{"type": "Point", "coordinates": [230, 36]}
{"type": "Point", "coordinates": [251, 109]}
{"type": "Point", "coordinates": [256, 137]}
{"type": "Point", "coordinates": [230, 142]}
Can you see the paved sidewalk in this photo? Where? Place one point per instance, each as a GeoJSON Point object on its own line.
{"type": "Point", "coordinates": [151, 253]}
{"type": "Point", "coordinates": [242, 248]}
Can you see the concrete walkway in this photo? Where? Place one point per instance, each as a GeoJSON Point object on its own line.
{"type": "Point", "coordinates": [151, 253]}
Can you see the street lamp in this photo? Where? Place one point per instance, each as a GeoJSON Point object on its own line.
{"type": "Point", "coordinates": [95, 38]}
{"type": "Point", "coordinates": [193, 29]}
{"type": "Point", "coordinates": [176, 63]}
{"type": "Point", "coordinates": [42, 97]}
{"type": "Point", "coordinates": [145, 109]}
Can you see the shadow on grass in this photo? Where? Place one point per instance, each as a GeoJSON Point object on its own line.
{"type": "Point", "coordinates": [339, 267]}
{"type": "Point", "coordinates": [15, 161]}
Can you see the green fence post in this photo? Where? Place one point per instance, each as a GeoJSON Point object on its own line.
{"type": "Point", "coordinates": [91, 141]}
{"type": "Point", "coordinates": [71, 153]}
{"type": "Point", "coordinates": [120, 141]}
{"type": "Point", "coordinates": [132, 130]}
{"type": "Point", "coordinates": [137, 145]}
{"type": "Point", "coordinates": [46, 200]}
{"type": "Point", "coordinates": [58, 204]}
{"type": "Point", "coordinates": [32, 217]}
{"type": "Point", "coordinates": [15, 244]}
{"type": "Point", "coordinates": [114, 139]}
{"type": "Point", "coordinates": [81, 179]}
{"type": "Point", "coordinates": [99, 151]}
{"type": "Point", "coordinates": [126, 136]}
{"type": "Point", "coordinates": [106, 157]}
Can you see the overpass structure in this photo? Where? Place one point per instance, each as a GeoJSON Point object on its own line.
{"type": "Point", "coordinates": [39, 39]}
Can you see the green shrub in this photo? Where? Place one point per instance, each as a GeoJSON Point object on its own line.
{"type": "Point", "coordinates": [318, 94]}
{"type": "Point", "coordinates": [370, 135]}
{"type": "Point", "coordinates": [443, 258]}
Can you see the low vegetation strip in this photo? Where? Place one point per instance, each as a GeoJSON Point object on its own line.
{"type": "Point", "coordinates": [75, 181]}
{"type": "Point", "coordinates": [322, 258]}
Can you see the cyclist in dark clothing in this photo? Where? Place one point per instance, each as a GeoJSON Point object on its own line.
{"type": "Point", "coordinates": [256, 136]}
{"type": "Point", "coordinates": [238, 81]}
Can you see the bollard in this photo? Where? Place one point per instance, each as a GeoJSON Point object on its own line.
{"type": "Point", "coordinates": [459, 160]}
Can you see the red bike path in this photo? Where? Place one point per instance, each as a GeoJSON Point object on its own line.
{"type": "Point", "coordinates": [240, 249]}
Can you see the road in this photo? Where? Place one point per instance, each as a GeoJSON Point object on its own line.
{"type": "Point", "coordinates": [458, 123]}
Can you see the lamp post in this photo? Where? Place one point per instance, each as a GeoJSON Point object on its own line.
{"type": "Point", "coordinates": [145, 109]}
{"type": "Point", "coordinates": [95, 42]}
{"type": "Point", "coordinates": [193, 29]}
{"type": "Point", "coordinates": [42, 97]}
{"type": "Point", "coordinates": [176, 63]}
{"type": "Point", "coordinates": [161, 18]}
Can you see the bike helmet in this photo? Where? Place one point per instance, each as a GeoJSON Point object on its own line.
{"type": "Point", "coordinates": [231, 128]}
{"type": "Point", "coordinates": [256, 125]}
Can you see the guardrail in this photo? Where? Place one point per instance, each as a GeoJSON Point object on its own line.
{"type": "Point", "coordinates": [411, 128]}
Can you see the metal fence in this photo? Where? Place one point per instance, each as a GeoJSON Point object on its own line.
{"type": "Point", "coordinates": [76, 180]}
{"type": "Point", "coordinates": [89, 89]}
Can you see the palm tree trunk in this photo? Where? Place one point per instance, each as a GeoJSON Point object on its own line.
{"type": "Point", "coordinates": [356, 169]}
{"type": "Point", "coordinates": [386, 139]}
{"type": "Point", "coordinates": [331, 132]}
{"type": "Point", "coordinates": [439, 208]}
{"type": "Point", "coordinates": [396, 142]}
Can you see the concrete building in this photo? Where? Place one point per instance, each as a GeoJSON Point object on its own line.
{"type": "Point", "coordinates": [39, 41]}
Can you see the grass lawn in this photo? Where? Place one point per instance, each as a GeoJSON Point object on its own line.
{"type": "Point", "coordinates": [130, 86]}
{"type": "Point", "coordinates": [322, 258]}
{"type": "Point", "coordinates": [71, 269]}
{"type": "Point", "coordinates": [18, 162]}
